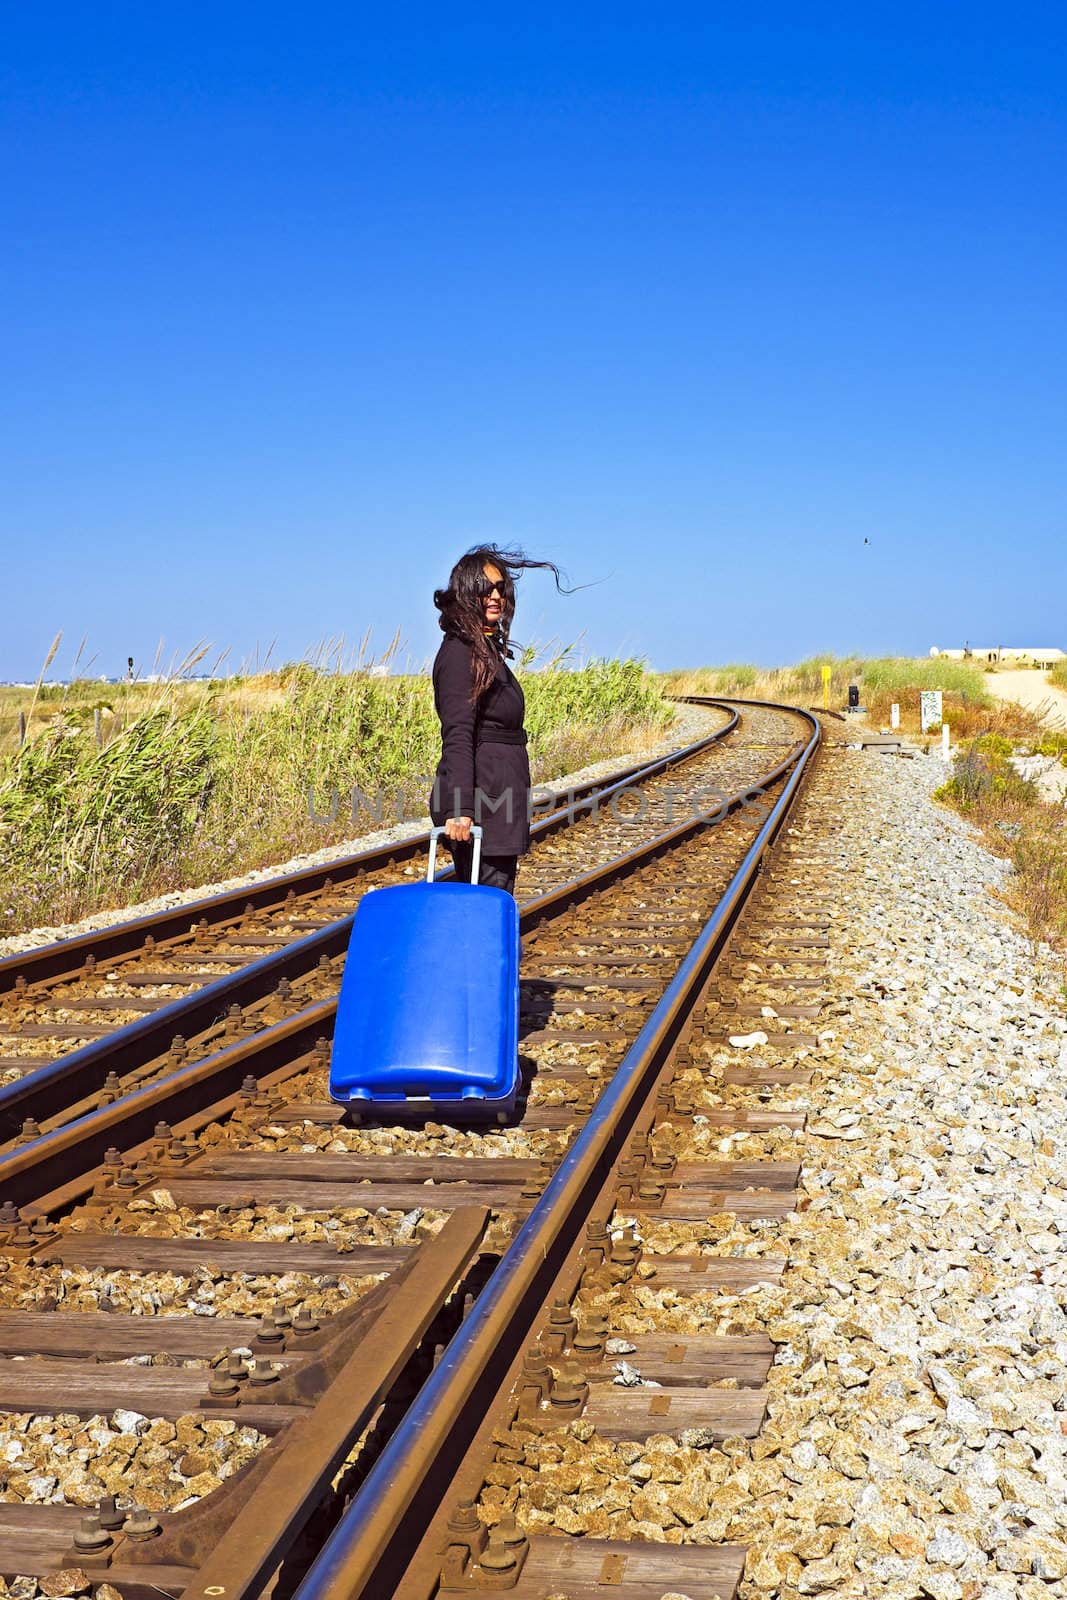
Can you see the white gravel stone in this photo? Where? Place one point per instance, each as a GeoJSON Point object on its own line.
{"type": "Point", "coordinates": [129, 1422]}
{"type": "Point", "coordinates": [949, 1549]}
{"type": "Point", "coordinates": [916, 1433]}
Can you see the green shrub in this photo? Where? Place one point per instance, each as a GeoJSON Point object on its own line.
{"type": "Point", "coordinates": [1051, 743]}
{"type": "Point", "coordinates": [894, 673]}
{"type": "Point", "coordinates": [984, 779]}
{"type": "Point", "coordinates": [1039, 889]}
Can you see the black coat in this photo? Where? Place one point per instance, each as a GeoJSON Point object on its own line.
{"type": "Point", "coordinates": [484, 771]}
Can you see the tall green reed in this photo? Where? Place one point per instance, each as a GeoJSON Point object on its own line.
{"type": "Point", "coordinates": [196, 780]}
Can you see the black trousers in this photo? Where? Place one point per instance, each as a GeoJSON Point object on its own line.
{"type": "Point", "coordinates": [498, 872]}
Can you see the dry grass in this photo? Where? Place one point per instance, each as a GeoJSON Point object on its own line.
{"type": "Point", "coordinates": [192, 781]}
{"type": "Point", "coordinates": [883, 681]}
{"type": "Point", "coordinates": [967, 718]}
{"type": "Point", "coordinates": [796, 685]}
{"type": "Point", "coordinates": [1018, 824]}
{"type": "Point", "coordinates": [1038, 888]}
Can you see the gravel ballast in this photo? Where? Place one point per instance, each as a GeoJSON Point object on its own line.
{"type": "Point", "coordinates": [916, 1438]}
{"type": "Point", "coordinates": [917, 1408]}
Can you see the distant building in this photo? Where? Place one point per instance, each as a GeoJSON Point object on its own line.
{"type": "Point", "coordinates": [1006, 655]}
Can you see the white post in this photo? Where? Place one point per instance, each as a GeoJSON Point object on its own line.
{"type": "Point", "coordinates": [944, 742]}
{"type": "Point", "coordinates": [894, 717]}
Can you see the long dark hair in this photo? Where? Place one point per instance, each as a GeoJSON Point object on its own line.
{"type": "Point", "coordinates": [462, 612]}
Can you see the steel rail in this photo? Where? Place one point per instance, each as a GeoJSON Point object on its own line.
{"type": "Point", "coordinates": [438, 1421]}
{"type": "Point", "coordinates": [67, 956]}
{"type": "Point", "coordinates": [198, 1094]}
{"type": "Point", "coordinates": [48, 1090]}
{"type": "Point", "coordinates": [70, 1154]}
{"type": "Point", "coordinates": [253, 1545]}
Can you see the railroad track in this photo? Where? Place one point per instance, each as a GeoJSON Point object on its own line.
{"type": "Point", "coordinates": [86, 1020]}
{"type": "Point", "coordinates": [277, 902]}
{"type": "Point", "coordinates": [233, 1297]}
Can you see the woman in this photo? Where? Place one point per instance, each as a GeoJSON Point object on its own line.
{"type": "Point", "coordinates": [483, 776]}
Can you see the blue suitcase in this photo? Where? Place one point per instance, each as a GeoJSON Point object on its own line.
{"type": "Point", "coordinates": [428, 1015]}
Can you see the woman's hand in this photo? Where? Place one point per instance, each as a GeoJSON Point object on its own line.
{"type": "Point", "coordinates": [458, 828]}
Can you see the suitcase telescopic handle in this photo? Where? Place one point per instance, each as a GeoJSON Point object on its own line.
{"type": "Point", "coordinates": [431, 865]}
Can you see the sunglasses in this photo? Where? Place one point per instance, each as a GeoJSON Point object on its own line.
{"type": "Point", "coordinates": [498, 587]}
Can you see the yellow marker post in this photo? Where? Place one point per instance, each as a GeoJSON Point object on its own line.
{"type": "Point", "coordinates": [826, 688]}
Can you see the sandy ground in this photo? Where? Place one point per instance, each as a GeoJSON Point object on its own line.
{"type": "Point", "coordinates": [1030, 689]}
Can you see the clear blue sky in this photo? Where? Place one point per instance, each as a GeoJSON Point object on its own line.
{"type": "Point", "coordinates": [300, 301]}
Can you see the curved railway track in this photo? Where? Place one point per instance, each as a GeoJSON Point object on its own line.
{"type": "Point", "coordinates": [131, 1001]}
{"type": "Point", "coordinates": [80, 1014]}
{"type": "Point", "coordinates": [207, 1256]}
{"type": "Point", "coordinates": [279, 901]}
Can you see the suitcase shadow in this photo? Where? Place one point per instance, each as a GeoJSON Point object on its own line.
{"type": "Point", "coordinates": [527, 1074]}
